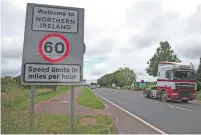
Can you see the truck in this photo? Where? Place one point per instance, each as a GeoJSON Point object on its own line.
{"type": "Point", "coordinates": [175, 81]}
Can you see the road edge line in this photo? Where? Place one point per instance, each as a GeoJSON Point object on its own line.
{"type": "Point", "coordinates": [180, 108]}
{"type": "Point", "coordinates": [138, 118]}
{"type": "Point", "coordinates": [196, 102]}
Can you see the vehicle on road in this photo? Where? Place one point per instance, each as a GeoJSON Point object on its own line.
{"type": "Point", "coordinates": [114, 86]}
{"type": "Point", "coordinates": [98, 86]}
{"type": "Point", "coordinates": [175, 81]}
{"type": "Point", "coordinates": [93, 86]}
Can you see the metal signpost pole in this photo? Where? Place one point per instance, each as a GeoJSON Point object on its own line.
{"type": "Point", "coordinates": [72, 108]}
{"type": "Point", "coordinates": [32, 111]}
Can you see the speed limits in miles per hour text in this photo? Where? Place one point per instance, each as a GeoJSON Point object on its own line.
{"type": "Point", "coordinates": [52, 73]}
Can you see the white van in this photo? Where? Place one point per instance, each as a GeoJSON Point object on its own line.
{"type": "Point", "coordinates": [93, 86]}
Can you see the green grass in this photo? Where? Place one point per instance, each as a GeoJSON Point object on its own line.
{"type": "Point", "coordinates": [87, 98]}
{"type": "Point", "coordinates": [198, 95]}
{"type": "Point", "coordinates": [151, 85]}
{"type": "Point", "coordinates": [125, 87]}
{"type": "Point", "coordinates": [15, 120]}
{"type": "Point", "coordinates": [40, 95]}
{"type": "Point", "coordinates": [19, 99]}
{"type": "Point", "coordinates": [57, 124]}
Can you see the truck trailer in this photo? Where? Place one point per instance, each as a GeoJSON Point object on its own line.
{"type": "Point", "coordinates": [175, 81]}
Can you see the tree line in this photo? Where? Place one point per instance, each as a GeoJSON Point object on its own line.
{"type": "Point", "coordinates": [121, 77]}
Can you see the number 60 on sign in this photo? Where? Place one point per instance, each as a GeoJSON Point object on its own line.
{"type": "Point", "coordinates": [54, 47]}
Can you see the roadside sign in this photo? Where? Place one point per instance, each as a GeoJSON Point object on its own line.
{"type": "Point", "coordinates": [53, 45]}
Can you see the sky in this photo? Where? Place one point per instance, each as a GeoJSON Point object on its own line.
{"type": "Point", "coordinates": [118, 33]}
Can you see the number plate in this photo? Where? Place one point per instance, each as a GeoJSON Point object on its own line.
{"type": "Point", "coordinates": [184, 98]}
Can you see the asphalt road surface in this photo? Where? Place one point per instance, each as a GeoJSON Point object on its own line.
{"type": "Point", "coordinates": [170, 117]}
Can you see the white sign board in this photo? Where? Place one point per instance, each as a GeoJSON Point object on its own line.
{"type": "Point", "coordinates": [53, 45]}
{"type": "Point", "coordinates": [53, 19]}
{"type": "Point", "coordinates": [52, 73]}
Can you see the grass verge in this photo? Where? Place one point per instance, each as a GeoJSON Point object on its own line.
{"type": "Point", "coordinates": [15, 120]}
{"type": "Point", "coordinates": [40, 95]}
{"type": "Point", "coordinates": [151, 85]}
{"type": "Point", "coordinates": [87, 98]}
{"type": "Point", "coordinates": [198, 95]}
{"type": "Point", "coordinates": [56, 124]}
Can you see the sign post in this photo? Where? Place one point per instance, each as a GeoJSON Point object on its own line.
{"type": "Point", "coordinates": [53, 48]}
{"type": "Point", "coordinates": [32, 111]}
{"type": "Point", "coordinates": [72, 109]}
{"type": "Point", "coordinates": [84, 81]}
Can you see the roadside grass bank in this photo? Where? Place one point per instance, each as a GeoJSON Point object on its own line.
{"type": "Point", "coordinates": [88, 99]}
{"type": "Point", "coordinates": [15, 118]}
{"type": "Point", "coordinates": [151, 85]}
{"type": "Point", "coordinates": [19, 99]}
{"type": "Point", "coordinates": [15, 100]}
{"type": "Point", "coordinates": [198, 95]}
{"type": "Point", "coordinates": [56, 124]}
{"type": "Point", "coordinates": [126, 88]}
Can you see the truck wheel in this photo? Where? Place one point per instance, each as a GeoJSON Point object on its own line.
{"type": "Point", "coordinates": [164, 96]}
{"type": "Point", "coordinates": [146, 94]}
{"type": "Point", "coordinates": [158, 95]}
{"type": "Point", "coordinates": [185, 101]}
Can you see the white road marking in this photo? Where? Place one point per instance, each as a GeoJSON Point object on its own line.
{"type": "Point", "coordinates": [199, 101]}
{"type": "Point", "coordinates": [195, 102]}
{"type": "Point", "coordinates": [138, 118]}
{"type": "Point", "coordinates": [180, 108]}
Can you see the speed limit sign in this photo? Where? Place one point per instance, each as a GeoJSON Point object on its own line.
{"type": "Point", "coordinates": [54, 47]}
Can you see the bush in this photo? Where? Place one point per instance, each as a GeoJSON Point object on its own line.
{"type": "Point", "coordinates": [126, 87]}
{"type": "Point", "coordinates": [6, 84]}
{"type": "Point", "coordinates": [138, 89]}
{"type": "Point", "coordinates": [198, 86]}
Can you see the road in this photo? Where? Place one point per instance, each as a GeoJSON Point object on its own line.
{"type": "Point", "coordinates": [170, 117]}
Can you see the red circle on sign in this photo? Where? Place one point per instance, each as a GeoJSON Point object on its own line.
{"type": "Point", "coordinates": [54, 35]}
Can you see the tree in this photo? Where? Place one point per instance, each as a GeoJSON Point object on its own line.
{"type": "Point", "coordinates": [100, 81]}
{"type": "Point", "coordinates": [198, 73]}
{"type": "Point", "coordinates": [163, 53]}
{"type": "Point", "coordinates": [121, 77]}
{"type": "Point", "coordinates": [92, 83]}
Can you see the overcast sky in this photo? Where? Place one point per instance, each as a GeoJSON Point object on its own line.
{"type": "Point", "coordinates": [118, 33]}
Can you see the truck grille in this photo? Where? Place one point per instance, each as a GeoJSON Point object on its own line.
{"type": "Point", "coordinates": [185, 93]}
{"type": "Point", "coordinates": [185, 86]}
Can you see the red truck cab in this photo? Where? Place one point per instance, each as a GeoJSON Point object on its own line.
{"type": "Point", "coordinates": [175, 81]}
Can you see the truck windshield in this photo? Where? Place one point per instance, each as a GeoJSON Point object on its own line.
{"type": "Point", "coordinates": [184, 75]}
